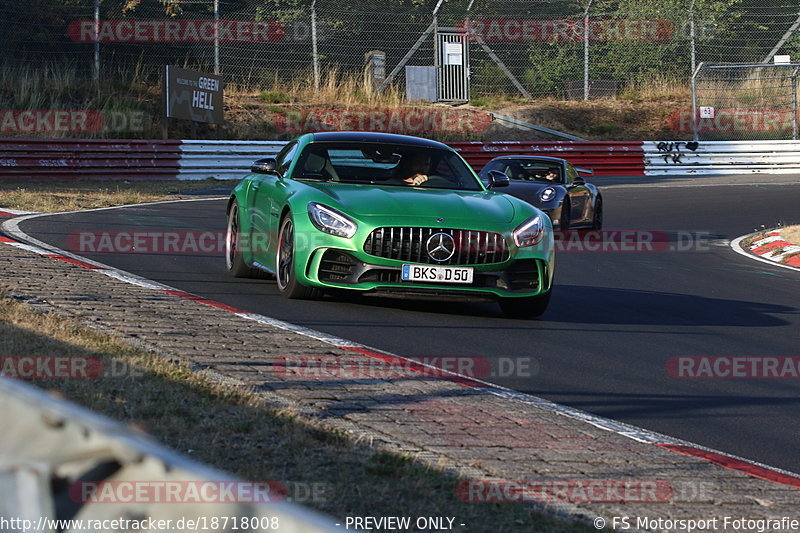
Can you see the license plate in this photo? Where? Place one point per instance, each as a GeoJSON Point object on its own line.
{"type": "Point", "coordinates": [437, 274]}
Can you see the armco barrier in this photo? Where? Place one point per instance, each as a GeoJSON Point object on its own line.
{"type": "Point", "coordinates": [223, 159]}
{"type": "Point", "coordinates": [721, 157]}
{"type": "Point", "coordinates": [100, 159]}
{"type": "Point", "coordinates": [606, 158]}
{"type": "Point", "coordinates": [49, 448]}
{"type": "Point", "coordinates": [121, 159]}
{"type": "Point", "coordinates": [88, 159]}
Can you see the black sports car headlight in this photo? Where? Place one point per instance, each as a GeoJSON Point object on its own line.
{"type": "Point", "coordinates": [547, 194]}
{"type": "Point", "coordinates": [329, 220]}
{"type": "Point", "coordinates": [530, 232]}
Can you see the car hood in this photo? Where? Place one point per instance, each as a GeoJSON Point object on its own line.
{"type": "Point", "coordinates": [370, 202]}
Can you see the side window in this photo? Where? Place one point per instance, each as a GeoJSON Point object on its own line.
{"type": "Point", "coordinates": [286, 156]}
{"type": "Point", "coordinates": [571, 173]}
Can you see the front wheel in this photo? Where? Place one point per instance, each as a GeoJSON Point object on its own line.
{"type": "Point", "coordinates": [530, 307]}
{"type": "Point", "coordinates": [286, 279]}
{"type": "Point", "coordinates": [597, 221]}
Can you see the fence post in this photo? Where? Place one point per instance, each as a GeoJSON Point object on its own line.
{"type": "Point", "coordinates": [586, 51]}
{"type": "Point", "coordinates": [695, 133]}
{"type": "Point", "coordinates": [216, 37]}
{"type": "Point", "coordinates": [794, 104]}
{"type": "Point", "coordinates": [314, 43]}
{"type": "Point", "coordinates": [692, 35]}
{"type": "Point", "coordinates": [96, 71]}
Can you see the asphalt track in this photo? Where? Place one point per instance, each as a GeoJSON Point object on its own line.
{"type": "Point", "coordinates": [615, 320]}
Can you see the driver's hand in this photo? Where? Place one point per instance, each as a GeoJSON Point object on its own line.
{"type": "Point", "coordinates": [416, 179]}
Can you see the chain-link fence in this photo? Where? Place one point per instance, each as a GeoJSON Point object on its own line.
{"type": "Point", "coordinates": [563, 49]}
{"type": "Point", "coordinates": [539, 48]}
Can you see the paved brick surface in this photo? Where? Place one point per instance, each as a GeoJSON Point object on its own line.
{"type": "Point", "coordinates": [469, 432]}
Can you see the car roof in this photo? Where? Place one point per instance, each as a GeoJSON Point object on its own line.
{"type": "Point", "coordinates": [373, 137]}
{"type": "Point", "coordinates": [534, 157]}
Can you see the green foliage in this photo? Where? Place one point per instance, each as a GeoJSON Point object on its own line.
{"type": "Point", "coordinates": [275, 97]}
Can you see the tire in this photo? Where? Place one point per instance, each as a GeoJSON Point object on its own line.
{"type": "Point", "coordinates": [597, 220]}
{"type": "Point", "coordinates": [531, 307]}
{"type": "Point", "coordinates": [234, 261]}
{"type": "Point", "coordinates": [563, 221]}
{"type": "Point", "coordinates": [285, 276]}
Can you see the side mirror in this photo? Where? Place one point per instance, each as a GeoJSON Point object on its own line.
{"type": "Point", "coordinates": [579, 180]}
{"type": "Point", "coordinates": [498, 179]}
{"type": "Point", "coordinates": [268, 165]}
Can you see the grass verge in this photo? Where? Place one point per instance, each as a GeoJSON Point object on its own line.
{"type": "Point", "coordinates": [234, 430]}
{"type": "Point", "coordinates": [70, 195]}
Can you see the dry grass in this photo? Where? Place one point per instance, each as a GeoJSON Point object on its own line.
{"type": "Point", "coordinates": [68, 195]}
{"type": "Point", "coordinates": [658, 88]}
{"type": "Point", "coordinates": [336, 89]}
{"type": "Point", "coordinates": [233, 430]}
{"type": "Point", "coordinates": [791, 234]}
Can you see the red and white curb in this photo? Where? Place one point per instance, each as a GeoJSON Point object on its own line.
{"type": "Point", "coordinates": [8, 213]}
{"type": "Point", "coordinates": [772, 249]}
{"type": "Point", "coordinates": [730, 462]}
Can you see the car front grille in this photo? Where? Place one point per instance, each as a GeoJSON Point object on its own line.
{"type": "Point", "coordinates": [410, 244]}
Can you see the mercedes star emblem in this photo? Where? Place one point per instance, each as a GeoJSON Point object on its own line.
{"type": "Point", "coordinates": [441, 247]}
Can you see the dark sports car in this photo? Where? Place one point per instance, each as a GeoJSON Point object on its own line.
{"type": "Point", "coordinates": [554, 186]}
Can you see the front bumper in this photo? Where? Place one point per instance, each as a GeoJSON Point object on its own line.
{"type": "Point", "coordinates": [345, 269]}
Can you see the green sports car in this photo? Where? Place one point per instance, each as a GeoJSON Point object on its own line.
{"type": "Point", "coordinates": [382, 213]}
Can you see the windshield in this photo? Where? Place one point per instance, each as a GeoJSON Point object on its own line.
{"type": "Point", "coordinates": [385, 164]}
{"type": "Point", "coordinates": [542, 171]}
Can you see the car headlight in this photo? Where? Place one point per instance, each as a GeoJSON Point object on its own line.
{"type": "Point", "coordinates": [547, 194]}
{"type": "Point", "coordinates": [529, 233]}
{"type": "Point", "coordinates": [329, 220]}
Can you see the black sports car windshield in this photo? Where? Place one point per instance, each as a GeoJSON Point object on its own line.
{"type": "Point", "coordinates": [385, 164]}
{"type": "Point", "coordinates": [528, 170]}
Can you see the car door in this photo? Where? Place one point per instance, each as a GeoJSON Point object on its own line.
{"type": "Point", "coordinates": [265, 207]}
{"type": "Point", "coordinates": [579, 197]}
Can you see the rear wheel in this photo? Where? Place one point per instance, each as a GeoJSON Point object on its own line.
{"type": "Point", "coordinates": [286, 279]}
{"type": "Point", "coordinates": [530, 307]}
{"type": "Point", "coordinates": [234, 259]}
{"type": "Point", "coordinates": [597, 221]}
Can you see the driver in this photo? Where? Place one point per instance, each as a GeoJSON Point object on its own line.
{"type": "Point", "coordinates": [552, 175]}
{"type": "Point", "coordinates": [418, 165]}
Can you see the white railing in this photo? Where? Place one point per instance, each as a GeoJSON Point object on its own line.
{"type": "Point", "coordinates": [50, 449]}
{"type": "Point", "coordinates": [721, 157]}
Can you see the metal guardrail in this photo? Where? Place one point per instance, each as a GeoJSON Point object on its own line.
{"type": "Point", "coordinates": [191, 160]}
{"type": "Point", "coordinates": [49, 447]}
{"type": "Point", "coordinates": [721, 157]}
{"type": "Point", "coordinates": [41, 159]}
{"type": "Point", "coordinates": [223, 159]}
{"type": "Point", "coordinates": [605, 158]}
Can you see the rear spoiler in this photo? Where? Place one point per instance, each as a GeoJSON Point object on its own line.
{"type": "Point", "coordinates": [585, 170]}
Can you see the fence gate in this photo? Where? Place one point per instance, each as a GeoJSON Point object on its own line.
{"type": "Point", "coordinates": [452, 65]}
